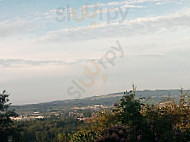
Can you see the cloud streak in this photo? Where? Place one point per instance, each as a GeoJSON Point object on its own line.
{"type": "Point", "coordinates": [17, 27]}
{"type": "Point", "coordinates": [180, 19]}
{"type": "Point", "coordinates": [22, 62]}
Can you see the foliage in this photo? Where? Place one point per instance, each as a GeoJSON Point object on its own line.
{"type": "Point", "coordinates": [130, 120]}
{"type": "Point", "coordinates": [7, 127]}
{"type": "Point", "coordinates": [84, 136]}
{"type": "Point", "coordinates": [114, 134]}
{"type": "Point", "coordinates": [48, 130]}
{"type": "Point", "coordinates": [163, 122]}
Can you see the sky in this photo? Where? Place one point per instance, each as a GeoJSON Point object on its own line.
{"type": "Point", "coordinates": [68, 49]}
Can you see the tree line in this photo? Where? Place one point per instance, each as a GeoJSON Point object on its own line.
{"type": "Point", "coordinates": [130, 120]}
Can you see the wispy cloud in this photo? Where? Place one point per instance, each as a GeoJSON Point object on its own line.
{"type": "Point", "coordinates": [39, 19]}
{"type": "Point", "coordinates": [18, 27]}
{"type": "Point", "coordinates": [22, 62]}
{"type": "Point", "coordinates": [29, 63]}
{"type": "Point", "coordinates": [179, 19]}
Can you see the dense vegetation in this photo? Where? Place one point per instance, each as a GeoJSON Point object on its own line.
{"type": "Point", "coordinates": [132, 119]}
{"type": "Point", "coordinates": [7, 128]}
{"type": "Point", "coordinates": [50, 130]}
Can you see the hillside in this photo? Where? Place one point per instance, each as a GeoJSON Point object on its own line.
{"type": "Point", "coordinates": [106, 100]}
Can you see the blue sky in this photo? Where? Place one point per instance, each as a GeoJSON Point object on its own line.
{"type": "Point", "coordinates": [41, 56]}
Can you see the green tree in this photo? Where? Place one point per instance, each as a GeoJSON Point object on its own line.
{"type": "Point", "coordinates": [7, 127]}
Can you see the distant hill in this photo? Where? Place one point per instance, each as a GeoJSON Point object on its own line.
{"type": "Point", "coordinates": [106, 100]}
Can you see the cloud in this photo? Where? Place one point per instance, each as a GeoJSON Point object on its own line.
{"type": "Point", "coordinates": [131, 2]}
{"type": "Point", "coordinates": [147, 25]}
{"type": "Point", "coordinates": [18, 26]}
{"type": "Point", "coordinates": [22, 62]}
{"type": "Point", "coordinates": [100, 8]}
{"type": "Point", "coordinates": [34, 22]}
{"type": "Point", "coordinates": [29, 63]}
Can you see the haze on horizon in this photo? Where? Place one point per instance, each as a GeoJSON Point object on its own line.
{"type": "Point", "coordinates": [44, 53]}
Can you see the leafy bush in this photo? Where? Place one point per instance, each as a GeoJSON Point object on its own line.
{"type": "Point", "coordinates": [7, 127]}
{"type": "Point", "coordinates": [115, 134]}
{"type": "Point", "coordinates": [84, 136]}
{"type": "Point", "coordinates": [167, 121]}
